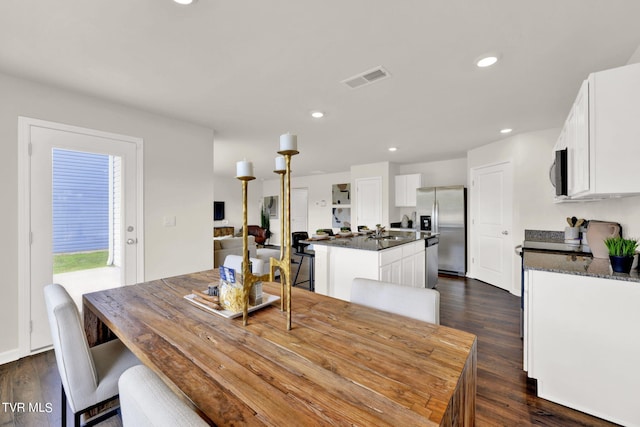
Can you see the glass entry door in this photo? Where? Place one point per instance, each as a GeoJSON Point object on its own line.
{"type": "Point", "coordinates": [84, 230]}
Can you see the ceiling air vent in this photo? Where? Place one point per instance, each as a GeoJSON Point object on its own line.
{"type": "Point", "coordinates": [366, 78]}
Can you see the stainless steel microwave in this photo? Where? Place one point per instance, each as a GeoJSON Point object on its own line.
{"type": "Point", "coordinates": [558, 173]}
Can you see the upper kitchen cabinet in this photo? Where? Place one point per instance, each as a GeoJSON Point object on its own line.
{"type": "Point", "coordinates": [602, 135]}
{"type": "Point", "coordinates": [406, 186]}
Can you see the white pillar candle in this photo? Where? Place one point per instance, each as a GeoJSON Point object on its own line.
{"type": "Point", "coordinates": [281, 164]}
{"type": "Point", "coordinates": [288, 142]}
{"type": "Point", "coordinates": [244, 168]}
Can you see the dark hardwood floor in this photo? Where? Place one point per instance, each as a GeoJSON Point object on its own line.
{"type": "Point", "coordinates": [504, 396]}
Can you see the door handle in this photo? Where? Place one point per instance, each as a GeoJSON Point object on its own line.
{"type": "Point", "coordinates": [435, 222]}
{"type": "Point", "coordinates": [505, 232]}
{"type": "Point", "coordinates": [132, 241]}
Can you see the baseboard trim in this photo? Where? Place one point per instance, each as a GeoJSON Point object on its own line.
{"type": "Point", "coordinates": [9, 356]}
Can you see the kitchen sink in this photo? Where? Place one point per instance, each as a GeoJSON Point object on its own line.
{"type": "Point", "coordinates": [388, 238]}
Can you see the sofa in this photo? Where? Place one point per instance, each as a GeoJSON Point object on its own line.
{"type": "Point", "coordinates": [229, 245]}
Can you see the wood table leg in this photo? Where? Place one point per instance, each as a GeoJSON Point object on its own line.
{"type": "Point", "coordinates": [96, 331]}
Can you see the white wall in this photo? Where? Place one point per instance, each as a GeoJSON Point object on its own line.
{"type": "Point", "coordinates": [178, 181]}
{"type": "Point", "coordinates": [229, 191]}
{"type": "Point", "coordinates": [434, 174]}
{"type": "Point", "coordinates": [635, 58]}
{"type": "Point", "coordinates": [534, 208]}
{"type": "Point", "coordinates": [440, 173]}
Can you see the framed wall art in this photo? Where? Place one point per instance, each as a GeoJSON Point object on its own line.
{"type": "Point", "coordinates": [271, 206]}
{"type": "Point", "coordinates": [341, 194]}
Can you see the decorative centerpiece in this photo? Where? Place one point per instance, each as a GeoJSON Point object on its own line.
{"type": "Point", "coordinates": [621, 253]}
{"type": "Point", "coordinates": [288, 148]}
{"type": "Point", "coordinates": [345, 231]}
{"type": "Point", "coordinates": [231, 296]}
{"type": "Point", "coordinates": [244, 172]}
{"type": "Point", "coordinates": [320, 234]}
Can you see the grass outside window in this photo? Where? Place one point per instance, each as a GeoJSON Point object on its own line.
{"type": "Point", "coordinates": [64, 263]}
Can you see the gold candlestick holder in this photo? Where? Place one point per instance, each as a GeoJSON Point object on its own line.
{"type": "Point", "coordinates": [285, 269]}
{"type": "Point", "coordinates": [248, 278]}
{"type": "Point", "coordinates": [284, 263]}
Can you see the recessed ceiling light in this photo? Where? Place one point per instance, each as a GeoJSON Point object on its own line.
{"type": "Point", "coordinates": [506, 130]}
{"type": "Point", "coordinates": [487, 61]}
{"type": "Point", "coordinates": [184, 2]}
{"type": "Point", "coordinates": [317, 114]}
{"type": "Point", "coordinates": [393, 148]}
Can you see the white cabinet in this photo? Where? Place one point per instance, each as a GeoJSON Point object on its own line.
{"type": "Point", "coordinates": [409, 270]}
{"type": "Point", "coordinates": [579, 155]}
{"type": "Point", "coordinates": [391, 265]}
{"type": "Point", "coordinates": [404, 265]}
{"type": "Point", "coordinates": [581, 345]}
{"type": "Point", "coordinates": [601, 135]}
{"type": "Point", "coordinates": [413, 264]}
{"type": "Point", "coordinates": [391, 272]}
{"type": "Point", "coordinates": [575, 138]}
{"type": "Point", "coordinates": [420, 273]}
{"type": "Point", "coordinates": [406, 186]}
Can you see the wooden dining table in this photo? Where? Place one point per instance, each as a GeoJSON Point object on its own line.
{"type": "Point", "coordinates": [340, 364]}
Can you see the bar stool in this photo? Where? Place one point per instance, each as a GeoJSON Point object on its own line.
{"type": "Point", "coordinates": [300, 250]}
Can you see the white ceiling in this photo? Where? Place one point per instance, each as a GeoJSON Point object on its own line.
{"type": "Point", "coordinates": [254, 69]}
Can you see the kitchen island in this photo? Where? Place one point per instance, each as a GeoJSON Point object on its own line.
{"type": "Point", "coordinates": [395, 258]}
{"type": "Point", "coordinates": [580, 334]}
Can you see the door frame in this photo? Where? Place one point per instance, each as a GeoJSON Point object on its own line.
{"type": "Point", "coordinates": [473, 238]}
{"type": "Point", "coordinates": [24, 215]}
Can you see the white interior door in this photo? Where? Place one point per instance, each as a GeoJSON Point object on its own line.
{"type": "Point", "coordinates": [492, 211]}
{"type": "Point", "coordinates": [368, 202]}
{"type": "Point", "coordinates": [83, 223]}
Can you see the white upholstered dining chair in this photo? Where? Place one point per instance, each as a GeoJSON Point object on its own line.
{"type": "Point", "coordinates": [417, 303]}
{"type": "Point", "coordinates": [89, 374]}
{"type": "Point", "coordinates": [146, 401]}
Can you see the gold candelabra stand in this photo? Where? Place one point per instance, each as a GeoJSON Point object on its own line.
{"type": "Point", "coordinates": [248, 278]}
{"type": "Point", "coordinates": [284, 263]}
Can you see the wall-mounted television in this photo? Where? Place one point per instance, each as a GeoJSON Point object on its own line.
{"type": "Point", "coordinates": [218, 211]}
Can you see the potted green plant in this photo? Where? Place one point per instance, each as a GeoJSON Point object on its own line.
{"type": "Point", "coordinates": [621, 253]}
{"type": "Point", "coordinates": [265, 222]}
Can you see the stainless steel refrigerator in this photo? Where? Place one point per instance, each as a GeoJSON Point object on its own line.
{"type": "Point", "coordinates": [443, 211]}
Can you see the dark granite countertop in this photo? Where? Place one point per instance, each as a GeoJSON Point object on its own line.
{"type": "Point", "coordinates": [368, 243]}
{"type": "Point", "coordinates": [561, 247]}
{"type": "Point", "coordinates": [577, 264]}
